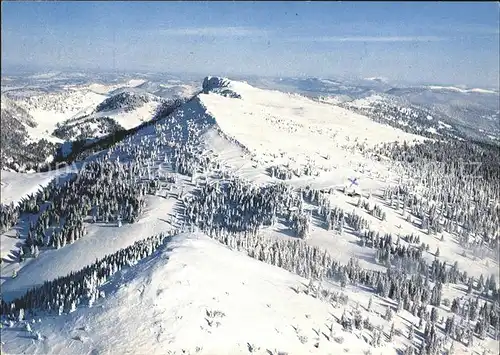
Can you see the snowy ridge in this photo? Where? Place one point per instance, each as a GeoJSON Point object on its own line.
{"type": "Point", "coordinates": [198, 297]}
{"type": "Point", "coordinates": [378, 79]}
{"type": "Point", "coordinates": [278, 128]}
{"type": "Point", "coordinates": [462, 90]}
{"type": "Point", "coordinates": [123, 110]}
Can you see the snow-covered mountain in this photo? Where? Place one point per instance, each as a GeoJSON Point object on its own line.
{"type": "Point", "coordinates": [17, 143]}
{"type": "Point", "coordinates": [126, 101]}
{"type": "Point", "coordinates": [123, 110]}
{"type": "Point", "coordinates": [463, 90]}
{"type": "Point", "coordinates": [173, 89]}
{"type": "Point", "coordinates": [472, 111]}
{"type": "Point", "coordinates": [57, 107]}
{"type": "Point", "coordinates": [249, 220]}
{"type": "Point", "coordinates": [403, 114]}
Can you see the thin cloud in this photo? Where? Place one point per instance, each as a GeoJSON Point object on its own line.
{"type": "Point", "coordinates": [215, 31]}
{"type": "Point", "coordinates": [483, 30]}
{"type": "Point", "coordinates": [469, 29]}
{"type": "Point", "coordinates": [369, 39]}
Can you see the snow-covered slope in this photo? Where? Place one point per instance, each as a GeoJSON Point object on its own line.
{"type": "Point", "coordinates": [276, 127]}
{"type": "Point", "coordinates": [123, 110]}
{"type": "Point", "coordinates": [18, 145]}
{"type": "Point", "coordinates": [197, 297]}
{"type": "Point", "coordinates": [15, 185]}
{"type": "Point", "coordinates": [400, 113]}
{"type": "Point", "coordinates": [17, 112]}
{"type": "Point", "coordinates": [53, 263]}
{"type": "Point", "coordinates": [50, 109]}
{"type": "Point", "coordinates": [129, 109]}
{"type": "Point", "coordinates": [471, 111]}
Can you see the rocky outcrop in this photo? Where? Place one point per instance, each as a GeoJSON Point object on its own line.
{"type": "Point", "coordinates": [220, 86]}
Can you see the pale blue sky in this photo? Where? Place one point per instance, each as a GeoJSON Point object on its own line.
{"type": "Point", "coordinates": [452, 43]}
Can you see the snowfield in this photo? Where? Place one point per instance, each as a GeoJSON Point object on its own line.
{"type": "Point", "coordinates": [16, 185]}
{"type": "Point", "coordinates": [273, 122]}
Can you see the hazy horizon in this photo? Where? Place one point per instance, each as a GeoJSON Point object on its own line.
{"type": "Point", "coordinates": [416, 43]}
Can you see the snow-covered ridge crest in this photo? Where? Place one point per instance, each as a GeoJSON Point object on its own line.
{"type": "Point", "coordinates": [463, 90]}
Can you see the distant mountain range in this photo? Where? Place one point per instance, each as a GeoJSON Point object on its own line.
{"type": "Point", "coordinates": [53, 108]}
{"type": "Point", "coordinates": [62, 106]}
